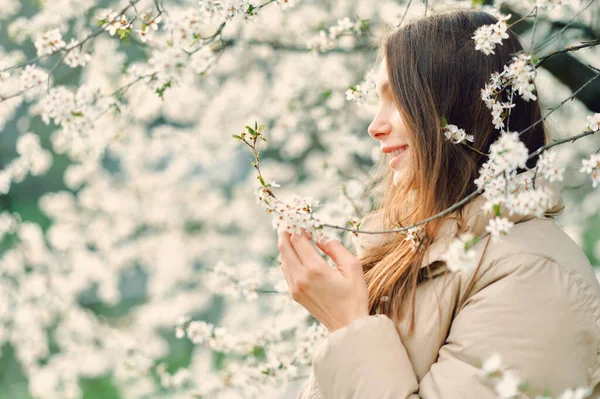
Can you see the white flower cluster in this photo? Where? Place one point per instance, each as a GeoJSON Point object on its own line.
{"type": "Point", "coordinates": [456, 135]}
{"type": "Point", "coordinates": [488, 36]}
{"type": "Point", "coordinates": [546, 166]}
{"type": "Point", "coordinates": [507, 153]}
{"type": "Point", "coordinates": [415, 236]}
{"type": "Point", "coordinates": [8, 224]}
{"type": "Point", "coordinates": [364, 91]}
{"type": "Point", "coordinates": [176, 380]}
{"type": "Point", "coordinates": [502, 187]}
{"type": "Point", "coordinates": [75, 113]}
{"type": "Point", "coordinates": [295, 216]}
{"type": "Point", "coordinates": [226, 280]}
{"type": "Point", "coordinates": [591, 166]}
{"type": "Point", "coordinates": [34, 81]}
{"type": "Point", "coordinates": [76, 57]}
{"type": "Point", "coordinates": [326, 40]}
{"type": "Point", "coordinates": [498, 226]}
{"type": "Point", "coordinates": [219, 339]}
{"type": "Point", "coordinates": [49, 42]}
{"type": "Point", "coordinates": [308, 340]}
{"type": "Point", "coordinates": [507, 384]}
{"type": "Point", "coordinates": [32, 159]}
{"type": "Point", "coordinates": [489, 95]}
{"type": "Point", "coordinates": [593, 122]}
{"type": "Point", "coordinates": [150, 24]}
{"type": "Point", "coordinates": [114, 22]}
{"type": "Point", "coordinates": [460, 255]}
{"type": "Point", "coordinates": [519, 75]}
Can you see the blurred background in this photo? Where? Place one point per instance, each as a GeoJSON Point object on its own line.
{"type": "Point", "coordinates": [146, 213]}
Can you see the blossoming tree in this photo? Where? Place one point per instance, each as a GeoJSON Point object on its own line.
{"type": "Point", "coordinates": [147, 267]}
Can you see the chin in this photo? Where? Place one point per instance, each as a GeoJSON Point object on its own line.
{"type": "Point", "coordinates": [398, 177]}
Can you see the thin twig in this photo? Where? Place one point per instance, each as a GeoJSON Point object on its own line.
{"type": "Point", "coordinates": [567, 50]}
{"type": "Point", "coordinates": [90, 36]}
{"type": "Point", "coordinates": [535, 21]}
{"type": "Point", "coordinates": [561, 104]}
{"type": "Point", "coordinates": [551, 38]}
{"type": "Point", "coordinates": [522, 18]}
{"type": "Point", "coordinates": [404, 15]}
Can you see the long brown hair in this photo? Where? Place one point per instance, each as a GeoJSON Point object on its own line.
{"type": "Point", "coordinates": [434, 71]}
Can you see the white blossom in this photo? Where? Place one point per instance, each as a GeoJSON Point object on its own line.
{"type": "Point", "coordinates": [488, 36]}
{"type": "Point", "coordinates": [497, 226]}
{"type": "Point", "coordinates": [49, 42]}
{"type": "Point", "coordinates": [415, 236]}
{"type": "Point", "coordinates": [492, 364]}
{"type": "Point", "coordinates": [76, 57]}
{"type": "Point", "coordinates": [199, 331]}
{"type": "Point", "coordinates": [591, 166]}
{"type": "Point", "coordinates": [508, 152]}
{"type": "Point", "coordinates": [508, 385]}
{"type": "Point", "coordinates": [34, 81]}
{"type": "Point", "coordinates": [460, 256]}
{"type": "Point", "coordinates": [456, 135]}
{"type": "Point", "coordinates": [521, 73]}
{"type": "Point", "coordinates": [363, 92]}
{"type": "Point", "coordinates": [546, 166]}
{"type": "Point", "coordinates": [577, 393]}
{"type": "Point", "coordinates": [593, 122]}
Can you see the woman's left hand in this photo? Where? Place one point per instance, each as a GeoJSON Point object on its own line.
{"type": "Point", "coordinates": [334, 296]}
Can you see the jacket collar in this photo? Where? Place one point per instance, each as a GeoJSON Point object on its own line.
{"type": "Point", "coordinates": [474, 220]}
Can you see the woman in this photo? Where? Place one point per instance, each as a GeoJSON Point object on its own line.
{"type": "Point", "coordinates": [402, 325]}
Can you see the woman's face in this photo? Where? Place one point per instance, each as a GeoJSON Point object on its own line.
{"type": "Point", "coordinates": [389, 128]}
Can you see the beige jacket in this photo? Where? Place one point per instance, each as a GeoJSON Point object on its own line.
{"type": "Point", "coordinates": [536, 302]}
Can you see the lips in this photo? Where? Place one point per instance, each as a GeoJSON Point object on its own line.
{"type": "Point", "coordinates": [391, 149]}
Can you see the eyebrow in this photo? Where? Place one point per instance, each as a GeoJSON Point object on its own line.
{"type": "Point", "coordinates": [385, 86]}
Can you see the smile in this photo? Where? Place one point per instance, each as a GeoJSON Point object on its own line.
{"type": "Point", "coordinates": [396, 155]}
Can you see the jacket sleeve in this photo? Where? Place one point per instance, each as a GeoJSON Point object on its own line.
{"type": "Point", "coordinates": [540, 319]}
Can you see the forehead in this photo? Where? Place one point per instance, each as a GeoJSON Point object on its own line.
{"type": "Point", "coordinates": [382, 76]}
{"type": "Point", "coordinates": [382, 71]}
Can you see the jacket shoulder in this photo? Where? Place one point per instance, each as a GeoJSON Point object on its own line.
{"type": "Point", "coordinates": [528, 243]}
{"type": "Point", "coordinates": [535, 283]}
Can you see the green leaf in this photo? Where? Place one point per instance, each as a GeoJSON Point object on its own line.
{"type": "Point", "coordinates": [102, 22]}
{"type": "Point", "coordinates": [444, 121]}
{"type": "Point", "coordinates": [364, 24]}
{"type": "Point", "coordinates": [476, 3]}
{"type": "Point", "coordinates": [497, 210]}
{"type": "Point", "coordinates": [534, 59]}
{"type": "Point", "coordinates": [78, 113]}
{"type": "Point", "coordinates": [235, 136]}
{"type": "Point", "coordinates": [160, 91]}
{"type": "Point", "coordinates": [124, 33]}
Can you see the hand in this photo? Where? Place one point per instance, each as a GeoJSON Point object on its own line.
{"type": "Point", "coordinates": [334, 296]}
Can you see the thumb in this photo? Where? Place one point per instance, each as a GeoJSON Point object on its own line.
{"type": "Point", "coordinates": [336, 251]}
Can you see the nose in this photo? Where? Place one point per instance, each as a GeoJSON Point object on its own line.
{"type": "Point", "coordinates": [378, 129]}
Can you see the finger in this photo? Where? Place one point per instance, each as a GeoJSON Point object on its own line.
{"type": "Point", "coordinates": [336, 251]}
{"type": "Point", "coordinates": [288, 254]}
{"type": "Point", "coordinates": [306, 251]}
